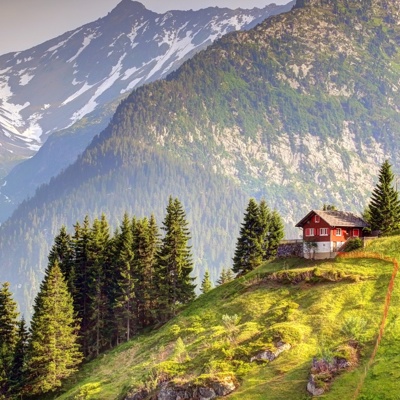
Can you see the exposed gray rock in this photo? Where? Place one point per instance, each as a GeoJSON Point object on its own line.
{"type": "Point", "coordinates": [313, 388]}
{"type": "Point", "coordinates": [141, 395]}
{"type": "Point", "coordinates": [270, 355]}
{"type": "Point", "coordinates": [323, 371]}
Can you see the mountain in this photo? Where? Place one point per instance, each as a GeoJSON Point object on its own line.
{"type": "Point", "coordinates": [301, 110]}
{"type": "Point", "coordinates": [51, 86]}
{"type": "Point", "coordinates": [307, 313]}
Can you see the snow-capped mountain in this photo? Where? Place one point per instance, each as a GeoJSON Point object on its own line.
{"type": "Point", "coordinates": [55, 84]}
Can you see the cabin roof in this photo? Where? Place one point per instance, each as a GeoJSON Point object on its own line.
{"type": "Point", "coordinates": [335, 218]}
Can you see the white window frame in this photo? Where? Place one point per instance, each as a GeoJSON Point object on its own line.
{"type": "Point", "coordinates": [323, 232]}
{"type": "Point", "coordinates": [358, 232]}
{"type": "Point", "coordinates": [317, 219]}
{"type": "Point", "coordinates": [338, 232]}
{"type": "Point", "coordinates": [310, 232]}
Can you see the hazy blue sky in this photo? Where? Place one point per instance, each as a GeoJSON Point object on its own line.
{"type": "Point", "coordinates": [26, 23]}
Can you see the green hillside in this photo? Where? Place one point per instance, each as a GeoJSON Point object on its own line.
{"type": "Point", "coordinates": [317, 307]}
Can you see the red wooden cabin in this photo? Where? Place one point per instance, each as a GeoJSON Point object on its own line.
{"type": "Point", "coordinates": [324, 232]}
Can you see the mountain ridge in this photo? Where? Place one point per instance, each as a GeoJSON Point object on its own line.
{"type": "Point", "coordinates": [54, 84]}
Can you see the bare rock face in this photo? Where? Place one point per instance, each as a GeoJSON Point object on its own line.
{"type": "Point", "coordinates": [171, 391]}
{"type": "Point", "coordinates": [312, 387]}
{"type": "Point", "coordinates": [270, 355]}
{"type": "Point", "coordinates": [323, 371]}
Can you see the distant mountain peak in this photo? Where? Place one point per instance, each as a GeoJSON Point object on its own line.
{"type": "Point", "coordinates": [129, 7]}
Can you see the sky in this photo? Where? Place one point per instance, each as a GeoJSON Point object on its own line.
{"type": "Point", "coordinates": [26, 23]}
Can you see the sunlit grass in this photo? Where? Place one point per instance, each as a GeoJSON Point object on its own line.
{"type": "Point", "coordinates": [224, 328]}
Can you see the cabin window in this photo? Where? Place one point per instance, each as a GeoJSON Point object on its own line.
{"type": "Point", "coordinates": [310, 232]}
{"type": "Point", "coordinates": [338, 231]}
{"type": "Point", "coordinates": [317, 219]}
{"type": "Point", "coordinates": [323, 231]}
{"type": "Point", "coordinates": [356, 232]}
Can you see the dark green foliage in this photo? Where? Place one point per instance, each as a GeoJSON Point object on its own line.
{"type": "Point", "coordinates": [124, 305]}
{"type": "Point", "coordinates": [174, 262]}
{"type": "Point", "coordinates": [99, 318]}
{"type": "Point", "coordinates": [53, 352]}
{"type": "Point", "coordinates": [18, 372]}
{"type": "Point", "coordinates": [146, 244]}
{"type": "Point", "coordinates": [329, 207]}
{"type": "Point", "coordinates": [206, 284]}
{"type": "Point", "coordinates": [276, 234]}
{"type": "Point", "coordinates": [248, 253]}
{"type": "Point", "coordinates": [384, 206]}
{"type": "Point", "coordinates": [8, 336]}
{"type": "Point", "coordinates": [259, 237]}
{"type": "Point", "coordinates": [354, 244]}
{"type": "Point", "coordinates": [62, 252]}
{"type": "Point", "coordinates": [81, 289]}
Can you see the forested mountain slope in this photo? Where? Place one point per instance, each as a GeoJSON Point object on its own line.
{"type": "Point", "coordinates": [301, 110]}
{"type": "Point", "coordinates": [66, 90]}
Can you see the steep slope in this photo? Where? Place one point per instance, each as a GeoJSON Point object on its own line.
{"type": "Point", "coordinates": [297, 110]}
{"type": "Point", "coordinates": [323, 317]}
{"type": "Point", "coordinates": [51, 86]}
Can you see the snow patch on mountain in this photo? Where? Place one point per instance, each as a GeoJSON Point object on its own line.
{"type": "Point", "coordinates": [25, 79]}
{"type": "Point", "coordinates": [91, 104]}
{"type": "Point", "coordinates": [82, 90]}
{"type": "Point", "coordinates": [86, 41]}
{"type": "Point", "coordinates": [53, 85]}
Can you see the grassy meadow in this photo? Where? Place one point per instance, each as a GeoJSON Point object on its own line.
{"type": "Point", "coordinates": [316, 306]}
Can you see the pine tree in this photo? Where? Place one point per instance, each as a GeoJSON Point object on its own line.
{"type": "Point", "coordinates": [124, 306]}
{"type": "Point", "coordinates": [8, 336]}
{"type": "Point", "coordinates": [384, 206]}
{"type": "Point", "coordinates": [226, 276]}
{"type": "Point", "coordinates": [82, 240]}
{"type": "Point", "coordinates": [99, 259]}
{"type": "Point", "coordinates": [206, 284]}
{"type": "Point", "coordinates": [53, 352]}
{"type": "Point", "coordinates": [260, 235]}
{"type": "Point", "coordinates": [263, 229]}
{"type": "Point", "coordinates": [63, 253]}
{"type": "Point", "coordinates": [174, 261]}
{"type": "Point", "coordinates": [248, 253]}
{"type": "Point", "coordinates": [276, 234]}
{"type": "Point", "coordinates": [18, 371]}
{"type": "Point", "coordinates": [146, 245]}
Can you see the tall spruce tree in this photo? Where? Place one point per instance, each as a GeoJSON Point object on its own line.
{"type": "Point", "coordinates": [248, 253]}
{"type": "Point", "coordinates": [174, 261]}
{"type": "Point", "coordinates": [53, 351]}
{"type": "Point", "coordinates": [8, 336]}
{"type": "Point", "coordinates": [384, 206]}
{"type": "Point", "coordinates": [276, 234]}
{"type": "Point", "coordinates": [99, 257]}
{"type": "Point", "coordinates": [259, 238]}
{"type": "Point", "coordinates": [146, 245]}
{"type": "Point", "coordinates": [81, 241]}
{"type": "Point", "coordinates": [63, 253]}
{"type": "Point", "coordinates": [124, 306]}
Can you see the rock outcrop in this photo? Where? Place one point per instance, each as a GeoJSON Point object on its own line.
{"type": "Point", "coordinates": [270, 355]}
{"type": "Point", "coordinates": [323, 371]}
{"type": "Point", "coordinates": [170, 391]}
